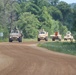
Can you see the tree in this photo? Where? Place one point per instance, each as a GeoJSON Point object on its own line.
{"type": "Point", "coordinates": [48, 23]}
{"type": "Point", "coordinates": [64, 8]}
{"type": "Point", "coordinates": [74, 18]}
{"type": "Point", "coordinates": [33, 8]}
{"type": "Point", "coordinates": [29, 24]}
{"type": "Point", "coordinates": [54, 2]}
{"type": "Point", "coordinates": [55, 13]}
{"type": "Point", "coordinates": [62, 29]}
{"type": "Point", "coordinates": [40, 3]}
{"type": "Point", "coordinates": [7, 14]}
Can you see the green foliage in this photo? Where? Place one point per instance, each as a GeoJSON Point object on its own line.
{"type": "Point", "coordinates": [1, 6]}
{"type": "Point", "coordinates": [64, 8]}
{"type": "Point", "coordinates": [29, 24]}
{"type": "Point", "coordinates": [40, 3]}
{"type": "Point", "coordinates": [1, 29]}
{"type": "Point", "coordinates": [32, 15]}
{"type": "Point", "coordinates": [54, 2]}
{"type": "Point", "coordinates": [65, 47]}
{"type": "Point", "coordinates": [34, 9]}
{"type": "Point", "coordinates": [16, 7]}
{"type": "Point", "coordinates": [74, 25]}
{"type": "Point", "coordinates": [55, 13]}
{"type": "Point", "coordinates": [48, 23]}
{"type": "Point", "coordinates": [62, 29]}
{"type": "Point", "coordinates": [5, 31]}
{"type": "Point", "coordinates": [74, 35]}
{"type": "Point", "coordinates": [74, 21]}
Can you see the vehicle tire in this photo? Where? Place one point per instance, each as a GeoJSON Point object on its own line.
{"type": "Point", "coordinates": [59, 39]}
{"type": "Point", "coordinates": [46, 39]}
{"type": "Point", "coordinates": [53, 39]}
{"type": "Point", "coordinates": [65, 39]}
{"type": "Point", "coordinates": [71, 39]}
{"type": "Point", "coordinates": [20, 39]}
{"type": "Point", "coordinates": [10, 40]}
{"type": "Point", "coordinates": [38, 39]}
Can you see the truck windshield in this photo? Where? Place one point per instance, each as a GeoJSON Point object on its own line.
{"type": "Point", "coordinates": [42, 32]}
{"type": "Point", "coordinates": [14, 31]}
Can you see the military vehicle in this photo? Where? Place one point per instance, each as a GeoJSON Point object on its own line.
{"type": "Point", "coordinates": [43, 35]}
{"type": "Point", "coordinates": [56, 36]}
{"type": "Point", "coordinates": [15, 35]}
{"type": "Point", "coordinates": [68, 36]}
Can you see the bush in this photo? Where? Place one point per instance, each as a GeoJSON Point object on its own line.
{"type": "Point", "coordinates": [74, 34]}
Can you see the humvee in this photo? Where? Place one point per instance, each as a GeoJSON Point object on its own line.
{"type": "Point", "coordinates": [68, 36]}
{"type": "Point", "coordinates": [15, 35]}
{"type": "Point", "coordinates": [56, 36]}
{"type": "Point", "coordinates": [42, 35]}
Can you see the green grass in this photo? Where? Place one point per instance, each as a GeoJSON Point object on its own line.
{"type": "Point", "coordinates": [63, 47]}
{"type": "Point", "coordinates": [24, 40]}
{"type": "Point", "coordinates": [3, 39]}
{"type": "Point", "coordinates": [28, 40]}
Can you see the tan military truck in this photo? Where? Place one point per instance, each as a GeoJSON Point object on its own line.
{"type": "Point", "coordinates": [15, 35]}
{"type": "Point", "coordinates": [68, 36]}
{"type": "Point", "coordinates": [42, 35]}
{"type": "Point", "coordinates": [56, 36]}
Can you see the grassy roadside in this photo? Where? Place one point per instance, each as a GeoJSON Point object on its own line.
{"type": "Point", "coordinates": [62, 47]}
{"type": "Point", "coordinates": [23, 40]}
{"type": "Point", "coordinates": [3, 39]}
{"type": "Point", "coordinates": [28, 40]}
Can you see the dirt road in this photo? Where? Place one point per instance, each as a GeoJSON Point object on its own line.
{"type": "Point", "coordinates": [28, 59]}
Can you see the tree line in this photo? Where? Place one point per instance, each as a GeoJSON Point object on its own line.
{"type": "Point", "coordinates": [32, 15]}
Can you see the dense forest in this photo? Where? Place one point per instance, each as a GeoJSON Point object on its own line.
{"type": "Point", "coordinates": [32, 15]}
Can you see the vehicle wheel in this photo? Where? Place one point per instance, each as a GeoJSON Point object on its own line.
{"type": "Point", "coordinates": [10, 40]}
{"type": "Point", "coordinates": [65, 39]}
{"type": "Point", "coordinates": [20, 39]}
{"type": "Point", "coordinates": [38, 39]}
{"type": "Point", "coordinates": [53, 39]}
{"type": "Point", "coordinates": [71, 39]}
{"type": "Point", "coordinates": [46, 39]}
{"type": "Point", "coordinates": [59, 39]}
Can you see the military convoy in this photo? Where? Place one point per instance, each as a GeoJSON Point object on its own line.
{"type": "Point", "coordinates": [57, 36]}
{"type": "Point", "coordinates": [42, 35]}
{"type": "Point", "coordinates": [15, 35]}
